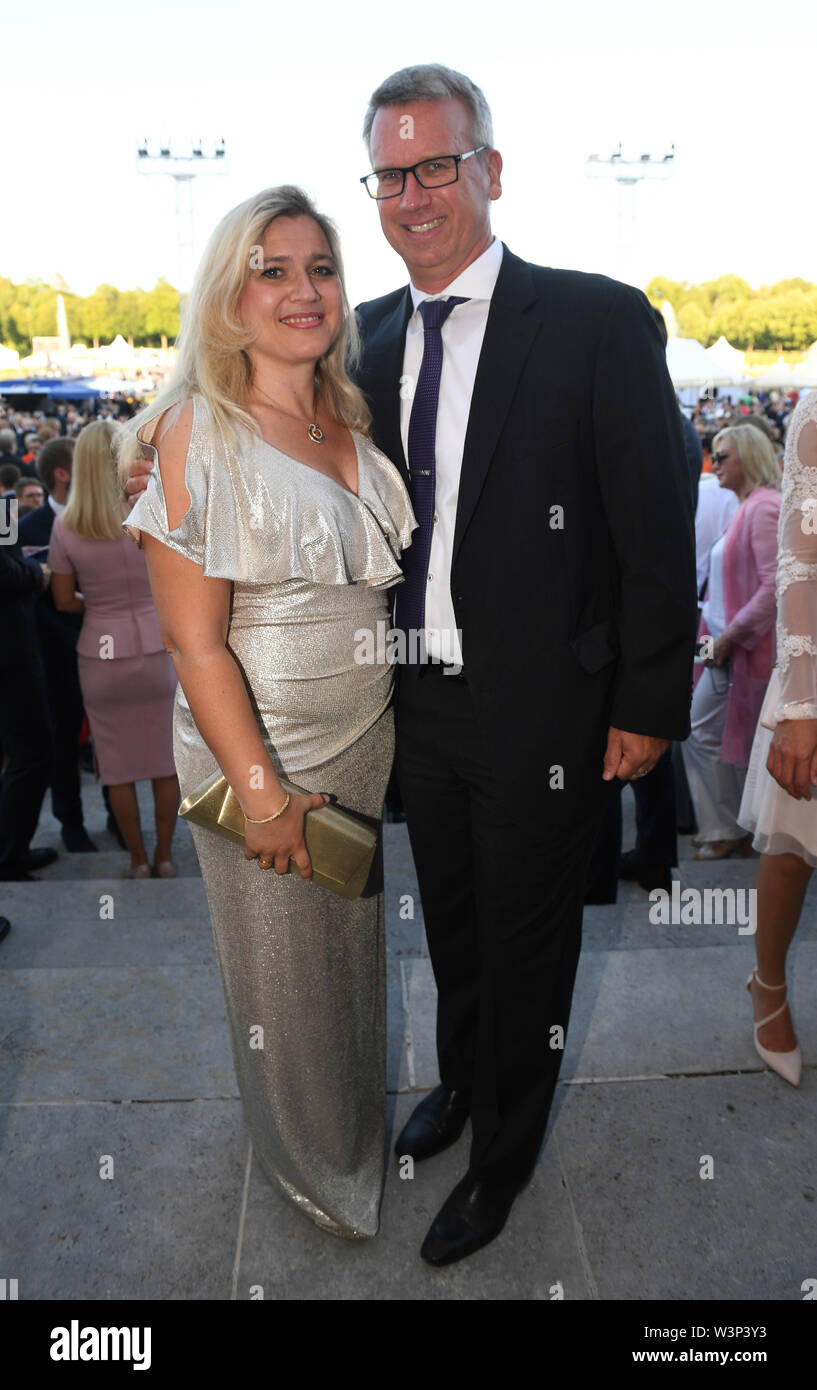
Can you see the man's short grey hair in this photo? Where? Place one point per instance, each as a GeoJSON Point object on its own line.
{"type": "Point", "coordinates": [431, 82]}
{"type": "Point", "coordinates": [8, 442]}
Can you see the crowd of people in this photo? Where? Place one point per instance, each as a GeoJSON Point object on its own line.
{"type": "Point", "coordinates": [86, 646]}
{"type": "Point", "coordinates": [756, 560]}
{"type": "Point", "coordinates": [535, 500]}
{"type": "Point", "coordinates": [770, 411]}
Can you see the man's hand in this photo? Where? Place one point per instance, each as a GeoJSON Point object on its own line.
{"type": "Point", "coordinates": [138, 474]}
{"type": "Point", "coordinates": [627, 755]}
{"type": "Point", "coordinates": [792, 759]}
{"type": "Point", "coordinates": [46, 575]}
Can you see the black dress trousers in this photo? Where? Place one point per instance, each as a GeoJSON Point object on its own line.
{"type": "Point", "coordinates": [25, 731]}
{"type": "Point", "coordinates": [502, 897]}
{"type": "Point", "coordinates": [58, 634]}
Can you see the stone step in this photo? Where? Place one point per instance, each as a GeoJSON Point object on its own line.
{"type": "Point", "coordinates": [92, 900]}
{"type": "Point", "coordinates": [136, 1009]}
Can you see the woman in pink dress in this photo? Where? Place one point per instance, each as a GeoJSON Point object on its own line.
{"type": "Point", "coordinates": [738, 615]}
{"type": "Point", "coordinates": [127, 677]}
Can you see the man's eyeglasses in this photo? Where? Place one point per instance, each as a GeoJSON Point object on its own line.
{"type": "Point", "coordinates": [429, 173]}
{"type": "Point", "coordinates": [718, 459]}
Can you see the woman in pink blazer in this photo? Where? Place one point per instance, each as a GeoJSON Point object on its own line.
{"type": "Point", "coordinates": [738, 621]}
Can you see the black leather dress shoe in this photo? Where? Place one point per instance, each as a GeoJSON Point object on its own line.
{"type": "Point", "coordinates": [437, 1122]}
{"type": "Point", "coordinates": [39, 859]}
{"type": "Point", "coordinates": [472, 1216]}
{"type": "Point", "coordinates": [5, 928]}
{"type": "Point", "coordinates": [77, 840]}
{"type": "Point", "coordinates": [648, 876]}
{"type": "Point", "coordinates": [16, 873]}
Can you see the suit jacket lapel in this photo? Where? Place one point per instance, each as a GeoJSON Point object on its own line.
{"type": "Point", "coordinates": [384, 366]}
{"type": "Point", "coordinates": [509, 334]}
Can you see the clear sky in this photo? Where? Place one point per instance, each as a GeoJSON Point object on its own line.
{"type": "Point", "coordinates": [730, 82]}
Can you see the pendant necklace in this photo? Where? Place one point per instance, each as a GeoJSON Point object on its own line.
{"type": "Point", "coordinates": [313, 429]}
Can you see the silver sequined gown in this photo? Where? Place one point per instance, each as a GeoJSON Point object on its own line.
{"type": "Point", "coordinates": [310, 565]}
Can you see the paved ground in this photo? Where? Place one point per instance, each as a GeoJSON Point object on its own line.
{"type": "Point", "coordinates": [113, 1041]}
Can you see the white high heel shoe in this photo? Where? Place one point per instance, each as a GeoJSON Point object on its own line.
{"type": "Point", "coordinates": [789, 1065]}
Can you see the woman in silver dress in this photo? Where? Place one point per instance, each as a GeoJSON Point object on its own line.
{"type": "Point", "coordinates": [272, 529]}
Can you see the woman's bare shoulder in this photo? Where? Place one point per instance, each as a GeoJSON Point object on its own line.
{"type": "Point", "coordinates": [173, 428]}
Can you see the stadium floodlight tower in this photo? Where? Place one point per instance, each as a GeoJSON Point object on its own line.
{"type": "Point", "coordinates": [182, 169]}
{"type": "Point", "coordinates": [628, 172]}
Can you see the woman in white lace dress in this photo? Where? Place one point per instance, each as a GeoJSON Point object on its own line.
{"type": "Point", "coordinates": [780, 797]}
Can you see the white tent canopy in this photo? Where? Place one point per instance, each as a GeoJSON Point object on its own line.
{"type": "Point", "coordinates": [805, 373]}
{"type": "Point", "coordinates": [730, 358]}
{"type": "Point", "coordinates": [8, 357]}
{"type": "Point", "coordinates": [118, 353]}
{"type": "Point", "coordinates": [689, 365]}
{"type": "Point", "coordinates": [782, 377]}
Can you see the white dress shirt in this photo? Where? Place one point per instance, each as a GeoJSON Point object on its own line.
{"type": "Point", "coordinates": [57, 507]}
{"type": "Point", "coordinates": [462, 335]}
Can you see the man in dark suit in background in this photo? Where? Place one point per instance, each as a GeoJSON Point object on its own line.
{"type": "Point", "coordinates": [58, 634]}
{"type": "Point", "coordinates": [25, 732]}
{"type": "Point", "coordinates": [553, 581]}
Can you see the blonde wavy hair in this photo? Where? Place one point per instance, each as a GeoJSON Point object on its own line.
{"type": "Point", "coordinates": [213, 360]}
{"type": "Point", "coordinates": [756, 454]}
{"type": "Point", "coordinates": [95, 509]}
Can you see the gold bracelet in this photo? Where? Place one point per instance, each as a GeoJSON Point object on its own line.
{"type": "Point", "coordinates": [265, 819]}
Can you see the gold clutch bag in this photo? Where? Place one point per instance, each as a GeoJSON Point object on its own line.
{"type": "Point", "coordinates": [340, 844]}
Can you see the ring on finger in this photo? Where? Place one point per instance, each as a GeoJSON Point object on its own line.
{"type": "Point", "coordinates": [264, 862]}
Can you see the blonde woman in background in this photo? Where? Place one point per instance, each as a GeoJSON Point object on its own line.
{"type": "Point", "coordinates": [739, 614]}
{"type": "Point", "coordinates": [273, 530]}
{"type": "Point", "coordinates": [124, 671]}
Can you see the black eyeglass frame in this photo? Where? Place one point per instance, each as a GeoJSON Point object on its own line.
{"type": "Point", "coordinates": [719, 458]}
{"type": "Point", "coordinates": [412, 169]}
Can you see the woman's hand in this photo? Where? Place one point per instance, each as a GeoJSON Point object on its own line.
{"type": "Point", "coordinates": [792, 759]}
{"type": "Point", "coordinates": [721, 650]}
{"type": "Point", "coordinates": [277, 841]}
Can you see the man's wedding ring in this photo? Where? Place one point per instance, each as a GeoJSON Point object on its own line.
{"type": "Point", "coordinates": [638, 774]}
{"type": "Point", "coordinates": [263, 862]}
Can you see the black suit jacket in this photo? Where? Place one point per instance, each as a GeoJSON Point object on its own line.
{"type": "Point", "coordinates": [573, 570]}
{"type": "Point", "coordinates": [59, 631]}
{"type": "Point", "coordinates": [35, 527]}
{"type": "Point", "coordinates": [20, 580]}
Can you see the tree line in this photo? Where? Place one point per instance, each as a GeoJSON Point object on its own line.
{"type": "Point", "coordinates": [30, 311]}
{"type": "Point", "coordinates": [782, 316]}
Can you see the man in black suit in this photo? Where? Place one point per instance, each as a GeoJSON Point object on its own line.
{"type": "Point", "coordinates": [25, 733]}
{"type": "Point", "coordinates": [553, 581]}
{"type": "Point", "coordinates": [58, 634]}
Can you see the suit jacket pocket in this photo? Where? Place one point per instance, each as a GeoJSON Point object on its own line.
{"type": "Point", "coordinates": [596, 647]}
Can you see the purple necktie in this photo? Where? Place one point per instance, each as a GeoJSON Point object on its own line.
{"type": "Point", "coordinates": [411, 600]}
